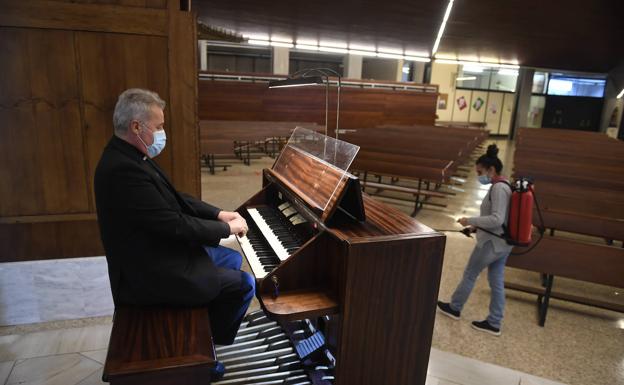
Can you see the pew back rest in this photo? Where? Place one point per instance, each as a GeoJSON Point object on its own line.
{"type": "Point", "coordinates": [576, 260]}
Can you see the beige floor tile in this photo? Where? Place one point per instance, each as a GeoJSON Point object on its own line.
{"type": "Point", "coordinates": [50, 342]}
{"type": "Point", "coordinates": [527, 379]}
{"type": "Point", "coordinates": [5, 370]}
{"type": "Point", "coordinates": [462, 370]}
{"type": "Point", "coordinates": [66, 369]}
{"type": "Point", "coordinates": [96, 355]}
{"type": "Point", "coordinates": [94, 379]}
{"type": "Point", "coordinates": [438, 381]}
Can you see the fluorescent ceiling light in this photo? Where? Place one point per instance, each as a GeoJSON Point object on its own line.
{"type": "Point", "coordinates": [362, 53]}
{"type": "Point", "coordinates": [473, 68]}
{"type": "Point", "coordinates": [476, 63]}
{"type": "Point", "coordinates": [417, 53]}
{"type": "Point", "coordinates": [281, 39]}
{"type": "Point", "coordinates": [389, 55]}
{"type": "Point", "coordinates": [307, 42]}
{"type": "Point", "coordinates": [466, 78]}
{"type": "Point", "coordinates": [418, 58]}
{"type": "Point", "coordinates": [334, 44]}
{"type": "Point", "coordinates": [332, 49]}
{"type": "Point", "coordinates": [442, 27]}
{"type": "Point", "coordinates": [280, 44]}
{"type": "Point", "coordinates": [508, 71]}
{"type": "Point", "coordinates": [258, 42]}
{"type": "Point", "coordinates": [256, 36]}
{"type": "Point", "coordinates": [358, 47]}
{"type": "Point", "coordinates": [446, 61]}
{"type": "Point", "coordinates": [391, 50]}
{"type": "Point", "coordinates": [308, 47]}
{"type": "Point", "coordinates": [621, 94]}
{"type": "Point", "coordinates": [476, 66]}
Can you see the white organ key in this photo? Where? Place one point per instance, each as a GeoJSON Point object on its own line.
{"type": "Point", "coordinates": [252, 257]}
{"type": "Point", "coordinates": [297, 219]}
{"type": "Point", "coordinates": [276, 245]}
{"type": "Point", "coordinates": [289, 211]}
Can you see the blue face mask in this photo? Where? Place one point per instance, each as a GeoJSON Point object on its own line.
{"type": "Point", "coordinates": [484, 179]}
{"type": "Point", "coordinates": [160, 139]}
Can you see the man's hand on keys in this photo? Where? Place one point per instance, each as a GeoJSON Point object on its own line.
{"type": "Point", "coordinates": [238, 226]}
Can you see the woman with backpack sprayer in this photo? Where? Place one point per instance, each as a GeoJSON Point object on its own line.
{"type": "Point", "coordinates": [490, 251]}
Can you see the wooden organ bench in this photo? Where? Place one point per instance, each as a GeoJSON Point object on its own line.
{"type": "Point", "coordinates": [159, 346]}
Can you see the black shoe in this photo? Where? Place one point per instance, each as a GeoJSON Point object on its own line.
{"type": "Point", "coordinates": [445, 308]}
{"type": "Point", "coordinates": [485, 326]}
{"type": "Point", "coordinates": [217, 372]}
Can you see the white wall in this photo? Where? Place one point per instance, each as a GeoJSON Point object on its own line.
{"type": "Point", "coordinates": [496, 111]}
{"type": "Point", "coordinates": [444, 76]}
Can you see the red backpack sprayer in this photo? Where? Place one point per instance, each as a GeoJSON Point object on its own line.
{"type": "Point", "coordinates": [518, 230]}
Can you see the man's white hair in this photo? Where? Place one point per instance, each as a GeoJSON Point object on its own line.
{"type": "Point", "coordinates": [134, 104]}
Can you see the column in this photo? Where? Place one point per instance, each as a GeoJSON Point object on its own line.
{"type": "Point", "coordinates": [524, 89]}
{"type": "Point", "coordinates": [203, 55]}
{"type": "Point", "coordinates": [352, 66]}
{"type": "Point", "coordinates": [399, 70]}
{"type": "Point", "coordinates": [281, 57]}
{"type": "Point", "coordinates": [419, 72]}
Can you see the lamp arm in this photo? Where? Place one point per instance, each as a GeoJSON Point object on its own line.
{"type": "Point", "coordinates": [326, 72]}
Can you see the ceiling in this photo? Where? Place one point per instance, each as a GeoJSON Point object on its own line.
{"type": "Point", "coordinates": [577, 35]}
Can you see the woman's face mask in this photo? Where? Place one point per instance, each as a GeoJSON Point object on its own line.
{"type": "Point", "coordinates": [483, 175]}
{"type": "Point", "coordinates": [484, 179]}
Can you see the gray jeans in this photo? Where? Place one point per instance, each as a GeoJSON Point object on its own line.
{"type": "Point", "coordinates": [481, 258]}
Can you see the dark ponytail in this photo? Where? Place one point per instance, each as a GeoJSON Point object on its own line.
{"type": "Point", "coordinates": [490, 159]}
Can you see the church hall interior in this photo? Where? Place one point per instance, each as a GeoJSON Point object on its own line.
{"type": "Point", "coordinates": [325, 193]}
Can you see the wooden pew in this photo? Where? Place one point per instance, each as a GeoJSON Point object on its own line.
{"type": "Point", "coordinates": [160, 346]}
{"type": "Point", "coordinates": [578, 187]}
{"type": "Point", "coordinates": [564, 257]}
{"type": "Point", "coordinates": [606, 177]}
{"type": "Point", "coordinates": [424, 154]}
{"type": "Point", "coordinates": [222, 139]}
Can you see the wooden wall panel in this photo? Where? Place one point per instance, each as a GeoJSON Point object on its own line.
{"type": "Point", "coordinates": [130, 3]}
{"type": "Point", "coordinates": [49, 240]}
{"type": "Point", "coordinates": [63, 66]}
{"type": "Point", "coordinates": [83, 17]}
{"type": "Point", "coordinates": [109, 64]}
{"type": "Point", "coordinates": [185, 171]}
{"type": "Point", "coordinates": [41, 121]}
{"type": "Point", "coordinates": [359, 107]}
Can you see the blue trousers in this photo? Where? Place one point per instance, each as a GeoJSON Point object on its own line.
{"type": "Point", "coordinates": [483, 257]}
{"type": "Point", "coordinates": [237, 289]}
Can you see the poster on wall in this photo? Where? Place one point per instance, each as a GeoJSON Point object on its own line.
{"type": "Point", "coordinates": [461, 103]}
{"type": "Point", "coordinates": [493, 108]}
{"type": "Point", "coordinates": [478, 104]}
{"type": "Point", "coordinates": [442, 100]}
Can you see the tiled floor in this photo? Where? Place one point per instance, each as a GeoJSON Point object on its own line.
{"type": "Point", "coordinates": [77, 357]}
{"type": "Point", "coordinates": [53, 342]}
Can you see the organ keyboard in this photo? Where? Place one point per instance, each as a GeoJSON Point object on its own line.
{"type": "Point", "coordinates": [270, 240]}
{"type": "Point", "coordinates": [327, 255]}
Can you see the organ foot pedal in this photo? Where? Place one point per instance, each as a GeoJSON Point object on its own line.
{"type": "Point", "coordinates": [265, 353]}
